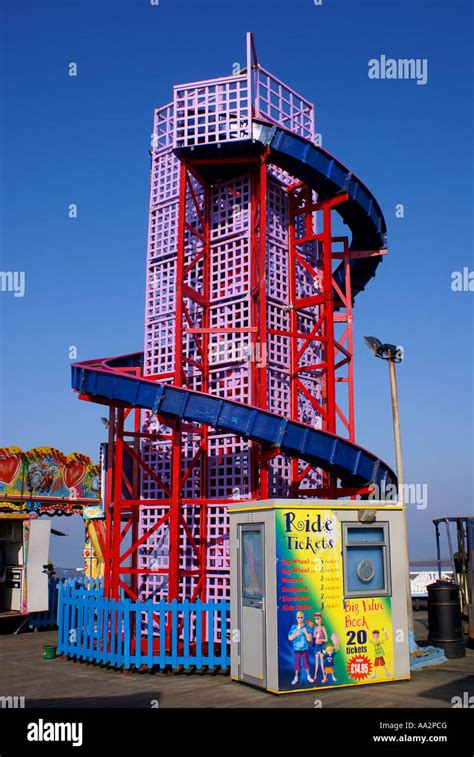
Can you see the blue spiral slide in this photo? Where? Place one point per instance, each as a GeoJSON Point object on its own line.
{"type": "Point", "coordinates": [103, 381]}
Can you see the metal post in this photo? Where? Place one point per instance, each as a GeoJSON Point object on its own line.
{"type": "Point", "coordinates": [396, 423]}
{"type": "Point", "coordinates": [398, 455]}
{"type": "Point", "coordinates": [438, 549]}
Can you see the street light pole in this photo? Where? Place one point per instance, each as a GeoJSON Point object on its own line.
{"type": "Point", "coordinates": [396, 425]}
{"type": "Point", "coordinates": [393, 354]}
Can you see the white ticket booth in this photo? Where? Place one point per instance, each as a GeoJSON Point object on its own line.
{"type": "Point", "coordinates": [318, 594]}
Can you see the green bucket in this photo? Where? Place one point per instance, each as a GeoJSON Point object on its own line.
{"type": "Point", "coordinates": [49, 652]}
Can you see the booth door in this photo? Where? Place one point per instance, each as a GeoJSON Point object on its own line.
{"type": "Point", "coordinates": [252, 604]}
{"type": "Point", "coordinates": [37, 557]}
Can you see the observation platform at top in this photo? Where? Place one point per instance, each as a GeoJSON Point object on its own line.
{"type": "Point", "coordinates": [222, 126]}
{"type": "Point", "coordinates": [223, 109]}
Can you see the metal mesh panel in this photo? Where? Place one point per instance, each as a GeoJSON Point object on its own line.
{"type": "Point", "coordinates": [161, 288]}
{"type": "Point", "coordinates": [279, 476]}
{"type": "Point", "coordinates": [277, 272]}
{"type": "Point", "coordinates": [154, 553]}
{"type": "Point", "coordinates": [163, 127]}
{"type": "Point", "coordinates": [213, 111]}
{"type": "Point", "coordinates": [157, 455]}
{"type": "Point", "coordinates": [230, 347]}
{"type": "Point", "coordinates": [278, 392]}
{"type": "Point", "coordinates": [164, 178]}
{"type": "Point", "coordinates": [163, 231]}
{"type": "Point", "coordinates": [230, 383]}
{"type": "Point", "coordinates": [278, 346]}
{"type": "Point", "coordinates": [283, 105]}
{"type": "Point", "coordinates": [312, 353]}
{"type": "Point", "coordinates": [228, 471]}
{"type": "Point", "coordinates": [277, 213]}
{"type": "Point", "coordinates": [230, 205]}
{"type": "Point", "coordinates": [230, 268]}
{"type": "Point", "coordinates": [218, 554]}
{"type": "Point", "coordinates": [159, 346]}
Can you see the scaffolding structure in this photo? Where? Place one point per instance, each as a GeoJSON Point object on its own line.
{"type": "Point", "coordinates": [241, 303]}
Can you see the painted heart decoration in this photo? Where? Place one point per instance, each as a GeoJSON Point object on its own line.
{"type": "Point", "coordinates": [9, 467]}
{"type": "Point", "coordinates": [74, 473]}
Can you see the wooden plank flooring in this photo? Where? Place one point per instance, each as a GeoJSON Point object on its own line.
{"type": "Point", "coordinates": [62, 683]}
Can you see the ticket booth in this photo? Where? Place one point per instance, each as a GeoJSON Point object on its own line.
{"type": "Point", "coordinates": [24, 552]}
{"type": "Point", "coordinates": [318, 594]}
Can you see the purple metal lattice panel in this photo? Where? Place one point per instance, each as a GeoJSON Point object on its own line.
{"type": "Point", "coordinates": [159, 346]}
{"type": "Point", "coordinates": [157, 455]}
{"type": "Point", "coordinates": [307, 412]}
{"type": "Point", "coordinates": [160, 338]}
{"type": "Point", "coordinates": [163, 128]}
{"type": "Point", "coordinates": [278, 346]}
{"type": "Point", "coordinates": [230, 208]}
{"type": "Point", "coordinates": [230, 268]}
{"type": "Point", "coordinates": [282, 105]}
{"type": "Point", "coordinates": [280, 175]}
{"type": "Point", "coordinates": [154, 553]}
{"type": "Point", "coordinates": [312, 354]}
{"type": "Point", "coordinates": [228, 348]}
{"type": "Point", "coordinates": [278, 392]}
{"type": "Point", "coordinates": [161, 288]}
{"type": "Point", "coordinates": [277, 213]}
{"type": "Point", "coordinates": [228, 468]}
{"type": "Point", "coordinates": [163, 231]}
{"type": "Point", "coordinates": [218, 547]}
{"type": "Point", "coordinates": [277, 272]}
{"type": "Point", "coordinates": [279, 476]}
{"type": "Point", "coordinates": [210, 111]}
{"type": "Point", "coordinates": [312, 480]}
{"type": "Point", "coordinates": [164, 178]}
{"type": "Point", "coordinates": [231, 382]}
{"type": "Point", "coordinates": [218, 586]}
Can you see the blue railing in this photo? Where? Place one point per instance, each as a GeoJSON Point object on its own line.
{"type": "Point", "coordinates": [152, 634]}
{"type": "Point", "coordinates": [49, 618]}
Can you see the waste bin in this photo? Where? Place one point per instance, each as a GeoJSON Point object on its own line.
{"type": "Point", "coordinates": [445, 628]}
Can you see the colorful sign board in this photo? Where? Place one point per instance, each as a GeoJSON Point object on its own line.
{"type": "Point", "coordinates": [43, 480]}
{"type": "Point", "coordinates": [325, 638]}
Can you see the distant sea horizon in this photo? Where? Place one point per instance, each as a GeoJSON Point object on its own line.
{"type": "Point", "coordinates": [415, 565]}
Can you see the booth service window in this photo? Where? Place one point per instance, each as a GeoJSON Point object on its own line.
{"type": "Point", "coordinates": [366, 559]}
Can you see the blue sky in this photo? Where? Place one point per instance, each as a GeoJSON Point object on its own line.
{"type": "Point", "coordinates": [85, 140]}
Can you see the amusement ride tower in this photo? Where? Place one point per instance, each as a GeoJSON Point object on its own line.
{"type": "Point", "coordinates": [245, 387]}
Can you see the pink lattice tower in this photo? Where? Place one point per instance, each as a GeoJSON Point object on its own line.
{"type": "Point", "coordinates": [232, 244]}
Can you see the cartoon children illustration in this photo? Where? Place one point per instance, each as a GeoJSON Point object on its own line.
{"type": "Point", "coordinates": [379, 653]}
{"type": "Point", "coordinates": [300, 635]}
{"type": "Point", "coordinates": [320, 637]}
{"type": "Point", "coordinates": [328, 659]}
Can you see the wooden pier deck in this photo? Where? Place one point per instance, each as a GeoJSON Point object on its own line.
{"type": "Point", "coordinates": [63, 683]}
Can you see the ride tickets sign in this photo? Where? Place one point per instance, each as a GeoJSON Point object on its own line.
{"type": "Point", "coordinates": [324, 638]}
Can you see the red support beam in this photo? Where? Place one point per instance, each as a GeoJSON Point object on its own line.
{"type": "Point", "coordinates": [258, 286]}
{"type": "Point", "coordinates": [329, 337]}
{"type": "Point", "coordinates": [335, 351]}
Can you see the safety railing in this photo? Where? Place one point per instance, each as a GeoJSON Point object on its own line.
{"type": "Point", "coordinates": [124, 633]}
{"type": "Point", "coordinates": [221, 110]}
{"type": "Point", "coordinates": [49, 618]}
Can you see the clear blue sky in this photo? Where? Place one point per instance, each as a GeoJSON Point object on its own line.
{"type": "Point", "coordinates": [85, 140]}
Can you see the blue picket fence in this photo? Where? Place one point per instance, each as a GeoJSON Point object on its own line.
{"type": "Point", "coordinates": [127, 633]}
{"type": "Point", "coordinates": [49, 618]}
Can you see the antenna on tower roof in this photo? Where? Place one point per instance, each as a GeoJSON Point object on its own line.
{"type": "Point", "coordinates": [252, 60]}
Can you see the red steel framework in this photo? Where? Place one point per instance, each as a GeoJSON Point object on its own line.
{"type": "Point", "coordinates": [318, 330]}
{"type": "Point", "coordinates": [334, 306]}
{"type": "Point", "coordinates": [314, 323]}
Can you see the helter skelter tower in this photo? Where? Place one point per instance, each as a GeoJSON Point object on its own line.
{"type": "Point", "coordinates": [249, 299]}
